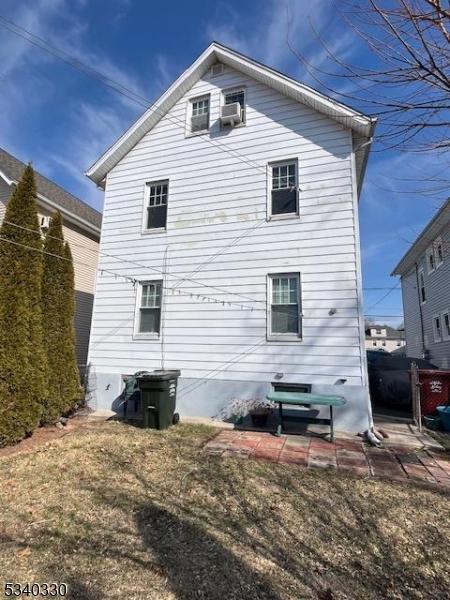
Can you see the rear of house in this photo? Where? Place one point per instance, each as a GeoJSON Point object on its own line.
{"type": "Point", "coordinates": [230, 242]}
{"type": "Point", "coordinates": [383, 337]}
{"type": "Point", "coordinates": [81, 228]}
{"type": "Point", "coordinates": [425, 279]}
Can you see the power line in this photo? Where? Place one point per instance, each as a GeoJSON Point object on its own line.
{"type": "Point", "coordinates": [116, 86]}
{"type": "Point", "coordinates": [162, 272]}
{"type": "Point", "coordinates": [133, 280]}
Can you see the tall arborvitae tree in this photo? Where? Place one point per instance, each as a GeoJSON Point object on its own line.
{"type": "Point", "coordinates": [72, 390]}
{"type": "Point", "coordinates": [23, 365]}
{"type": "Point", "coordinates": [58, 313]}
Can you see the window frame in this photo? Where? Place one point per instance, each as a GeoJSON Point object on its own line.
{"type": "Point", "coordinates": [289, 337]}
{"type": "Point", "coordinates": [430, 254]}
{"type": "Point", "coordinates": [189, 115]}
{"type": "Point", "coordinates": [147, 335]}
{"type": "Point", "coordinates": [437, 333]}
{"type": "Point", "coordinates": [421, 279]}
{"type": "Point", "coordinates": [235, 90]}
{"type": "Point", "coordinates": [147, 185]}
{"type": "Point", "coordinates": [270, 166]}
{"type": "Point", "coordinates": [438, 244]}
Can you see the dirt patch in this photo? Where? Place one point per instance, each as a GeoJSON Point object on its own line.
{"type": "Point", "coordinates": [47, 434]}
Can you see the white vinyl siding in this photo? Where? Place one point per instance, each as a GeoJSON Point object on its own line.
{"type": "Point", "coordinates": [219, 237]}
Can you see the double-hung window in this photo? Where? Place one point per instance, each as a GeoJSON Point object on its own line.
{"type": "Point", "coordinates": [200, 114]}
{"type": "Point", "coordinates": [446, 325]}
{"type": "Point", "coordinates": [284, 306]}
{"type": "Point", "coordinates": [422, 291]}
{"type": "Point", "coordinates": [430, 260]}
{"type": "Point", "coordinates": [236, 96]}
{"type": "Point", "coordinates": [157, 193]}
{"type": "Point", "coordinates": [284, 188]}
{"type": "Point", "coordinates": [437, 330]}
{"type": "Point", "coordinates": [150, 299]}
{"type": "Point", "coordinates": [438, 253]}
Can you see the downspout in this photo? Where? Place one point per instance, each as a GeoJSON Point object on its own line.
{"type": "Point", "coordinates": [422, 330]}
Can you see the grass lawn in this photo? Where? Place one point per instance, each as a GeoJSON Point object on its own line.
{"type": "Point", "coordinates": [122, 513]}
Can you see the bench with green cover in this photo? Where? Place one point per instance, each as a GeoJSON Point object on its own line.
{"type": "Point", "coordinates": [305, 399]}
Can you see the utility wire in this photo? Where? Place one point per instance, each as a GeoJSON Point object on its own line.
{"type": "Point", "coordinates": [133, 280]}
{"type": "Point", "coordinates": [140, 265]}
{"type": "Point", "coordinates": [111, 83]}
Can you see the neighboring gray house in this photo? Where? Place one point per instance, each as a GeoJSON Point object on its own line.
{"type": "Point", "coordinates": [232, 206]}
{"type": "Point", "coordinates": [384, 337]}
{"type": "Point", "coordinates": [81, 227]}
{"type": "Point", "coordinates": [425, 278]}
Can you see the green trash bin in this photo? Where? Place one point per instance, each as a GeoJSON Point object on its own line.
{"type": "Point", "coordinates": [158, 398]}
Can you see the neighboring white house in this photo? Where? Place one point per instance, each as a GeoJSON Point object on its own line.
{"type": "Point", "coordinates": [385, 338]}
{"type": "Point", "coordinates": [81, 228]}
{"type": "Point", "coordinates": [425, 278]}
{"type": "Point", "coordinates": [233, 203]}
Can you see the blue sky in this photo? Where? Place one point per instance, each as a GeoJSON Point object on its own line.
{"type": "Point", "coordinates": [62, 120]}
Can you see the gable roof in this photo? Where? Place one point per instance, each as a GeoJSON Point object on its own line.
{"type": "Point", "coordinates": [425, 239]}
{"type": "Point", "coordinates": [11, 168]}
{"type": "Point", "coordinates": [361, 125]}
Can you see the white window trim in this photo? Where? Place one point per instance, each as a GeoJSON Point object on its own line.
{"type": "Point", "coordinates": [146, 194]}
{"type": "Point", "coordinates": [137, 335]}
{"type": "Point", "coordinates": [235, 88]}
{"type": "Point", "coordinates": [279, 163]}
{"type": "Point", "coordinates": [420, 272]}
{"type": "Point", "coordinates": [284, 337]}
{"type": "Point", "coordinates": [445, 335]}
{"type": "Point", "coordinates": [188, 132]}
{"type": "Point", "coordinates": [435, 336]}
{"type": "Point", "coordinates": [430, 251]}
{"type": "Point", "coordinates": [436, 243]}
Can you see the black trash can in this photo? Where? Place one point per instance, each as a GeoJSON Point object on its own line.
{"type": "Point", "coordinates": [158, 398]}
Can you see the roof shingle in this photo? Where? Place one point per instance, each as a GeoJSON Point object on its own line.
{"type": "Point", "coordinates": [13, 169]}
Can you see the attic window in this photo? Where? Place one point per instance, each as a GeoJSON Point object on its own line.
{"type": "Point", "coordinates": [199, 114]}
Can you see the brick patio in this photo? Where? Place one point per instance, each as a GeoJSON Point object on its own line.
{"type": "Point", "coordinates": [347, 454]}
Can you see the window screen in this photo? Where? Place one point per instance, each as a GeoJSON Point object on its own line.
{"type": "Point", "coordinates": [200, 114]}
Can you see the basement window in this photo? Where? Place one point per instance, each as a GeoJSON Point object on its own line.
{"type": "Point", "coordinates": [156, 201]}
{"type": "Point", "coordinates": [283, 189]}
{"type": "Point", "coordinates": [284, 310]}
{"type": "Point", "coordinates": [150, 298]}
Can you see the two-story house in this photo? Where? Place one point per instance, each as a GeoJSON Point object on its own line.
{"type": "Point", "coordinates": [425, 279]}
{"type": "Point", "coordinates": [81, 228]}
{"type": "Point", "coordinates": [383, 337]}
{"type": "Point", "coordinates": [232, 206]}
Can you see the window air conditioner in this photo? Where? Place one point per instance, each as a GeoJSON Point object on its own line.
{"type": "Point", "coordinates": [230, 114]}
